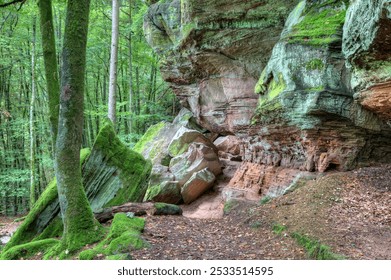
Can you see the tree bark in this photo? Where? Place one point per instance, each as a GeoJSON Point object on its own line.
{"type": "Point", "coordinates": [130, 68]}
{"type": "Point", "coordinates": [80, 227]}
{"type": "Point", "coordinates": [32, 128]}
{"type": "Point", "coordinates": [113, 61]}
{"type": "Point", "coordinates": [50, 62]}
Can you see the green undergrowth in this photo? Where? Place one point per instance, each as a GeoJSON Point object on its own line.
{"type": "Point", "coordinates": [124, 236]}
{"type": "Point", "coordinates": [264, 200]}
{"type": "Point", "coordinates": [315, 250]}
{"type": "Point", "coordinates": [278, 228]}
{"type": "Point", "coordinates": [229, 206]}
{"type": "Point", "coordinates": [322, 24]}
{"type": "Point", "coordinates": [135, 169]}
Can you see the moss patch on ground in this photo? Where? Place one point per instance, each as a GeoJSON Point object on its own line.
{"type": "Point", "coordinates": [315, 250]}
{"type": "Point", "coordinates": [124, 236]}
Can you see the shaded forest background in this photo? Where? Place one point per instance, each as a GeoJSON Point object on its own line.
{"type": "Point", "coordinates": [143, 98]}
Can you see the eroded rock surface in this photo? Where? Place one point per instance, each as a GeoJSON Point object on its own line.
{"type": "Point", "coordinates": [367, 47]}
{"type": "Point", "coordinates": [212, 53]}
{"type": "Point", "coordinates": [320, 69]}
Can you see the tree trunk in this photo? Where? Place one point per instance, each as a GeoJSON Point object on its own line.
{"type": "Point", "coordinates": [50, 61]}
{"type": "Point", "coordinates": [113, 61]}
{"type": "Point", "coordinates": [130, 69]}
{"type": "Point", "coordinates": [80, 227]}
{"type": "Point", "coordinates": [32, 128]}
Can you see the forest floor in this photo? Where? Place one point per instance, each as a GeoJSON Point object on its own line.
{"type": "Point", "coordinates": [350, 212]}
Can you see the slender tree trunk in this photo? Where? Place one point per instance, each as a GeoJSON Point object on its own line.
{"type": "Point", "coordinates": [50, 61]}
{"type": "Point", "coordinates": [80, 227]}
{"type": "Point", "coordinates": [32, 128]}
{"type": "Point", "coordinates": [137, 95]}
{"type": "Point", "coordinates": [130, 68]}
{"type": "Point", "coordinates": [113, 61]}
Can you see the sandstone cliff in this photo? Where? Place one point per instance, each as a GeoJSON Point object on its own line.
{"type": "Point", "coordinates": [303, 85]}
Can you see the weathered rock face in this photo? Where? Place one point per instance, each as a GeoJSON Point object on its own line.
{"type": "Point", "coordinates": [212, 53]}
{"type": "Point", "coordinates": [319, 107]}
{"type": "Point", "coordinates": [306, 117]}
{"type": "Point", "coordinates": [367, 47]}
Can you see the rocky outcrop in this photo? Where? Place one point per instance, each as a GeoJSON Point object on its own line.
{"type": "Point", "coordinates": [212, 53]}
{"type": "Point", "coordinates": [112, 175]}
{"type": "Point", "coordinates": [185, 161]}
{"type": "Point", "coordinates": [322, 80]}
{"type": "Point", "coordinates": [367, 47]}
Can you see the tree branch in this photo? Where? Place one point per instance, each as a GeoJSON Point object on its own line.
{"type": "Point", "coordinates": [12, 3]}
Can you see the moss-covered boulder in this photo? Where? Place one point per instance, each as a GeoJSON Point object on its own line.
{"type": "Point", "coordinates": [112, 175]}
{"type": "Point", "coordinates": [124, 236]}
{"type": "Point", "coordinates": [154, 145]}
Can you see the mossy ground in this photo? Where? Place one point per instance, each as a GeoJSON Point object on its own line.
{"type": "Point", "coordinates": [27, 250]}
{"type": "Point", "coordinates": [124, 236]}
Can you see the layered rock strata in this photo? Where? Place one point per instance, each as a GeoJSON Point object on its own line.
{"type": "Point", "coordinates": [322, 75]}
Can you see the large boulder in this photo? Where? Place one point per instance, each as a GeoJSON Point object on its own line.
{"type": "Point", "coordinates": [112, 175]}
{"type": "Point", "coordinates": [177, 151]}
{"type": "Point", "coordinates": [198, 183]}
{"type": "Point", "coordinates": [197, 157]}
{"type": "Point", "coordinates": [154, 145]}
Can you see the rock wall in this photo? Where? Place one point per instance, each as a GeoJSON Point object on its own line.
{"type": "Point", "coordinates": [304, 85]}
{"type": "Point", "coordinates": [212, 53]}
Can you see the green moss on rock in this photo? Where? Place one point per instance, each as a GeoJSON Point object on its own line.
{"type": "Point", "coordinates": [28, 249]}
{"type": "Point", "coordinates": [54, 229]}
{"type": "Point", "coordinates": [124, 235]}
{"type": "Point", "coordinates": [314, 64]}
{"type": "Point", "coordinates": [167, 209]}
{"type": "Point", "coordinates": [147, 138]}
{"type": "Point", "coordinates": [134, 169]}
{"type": "Point", "coordinates": [321, 25]}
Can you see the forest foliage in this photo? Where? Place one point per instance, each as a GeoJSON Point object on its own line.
{"type": "Point", "coordinates": [152, 100]}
